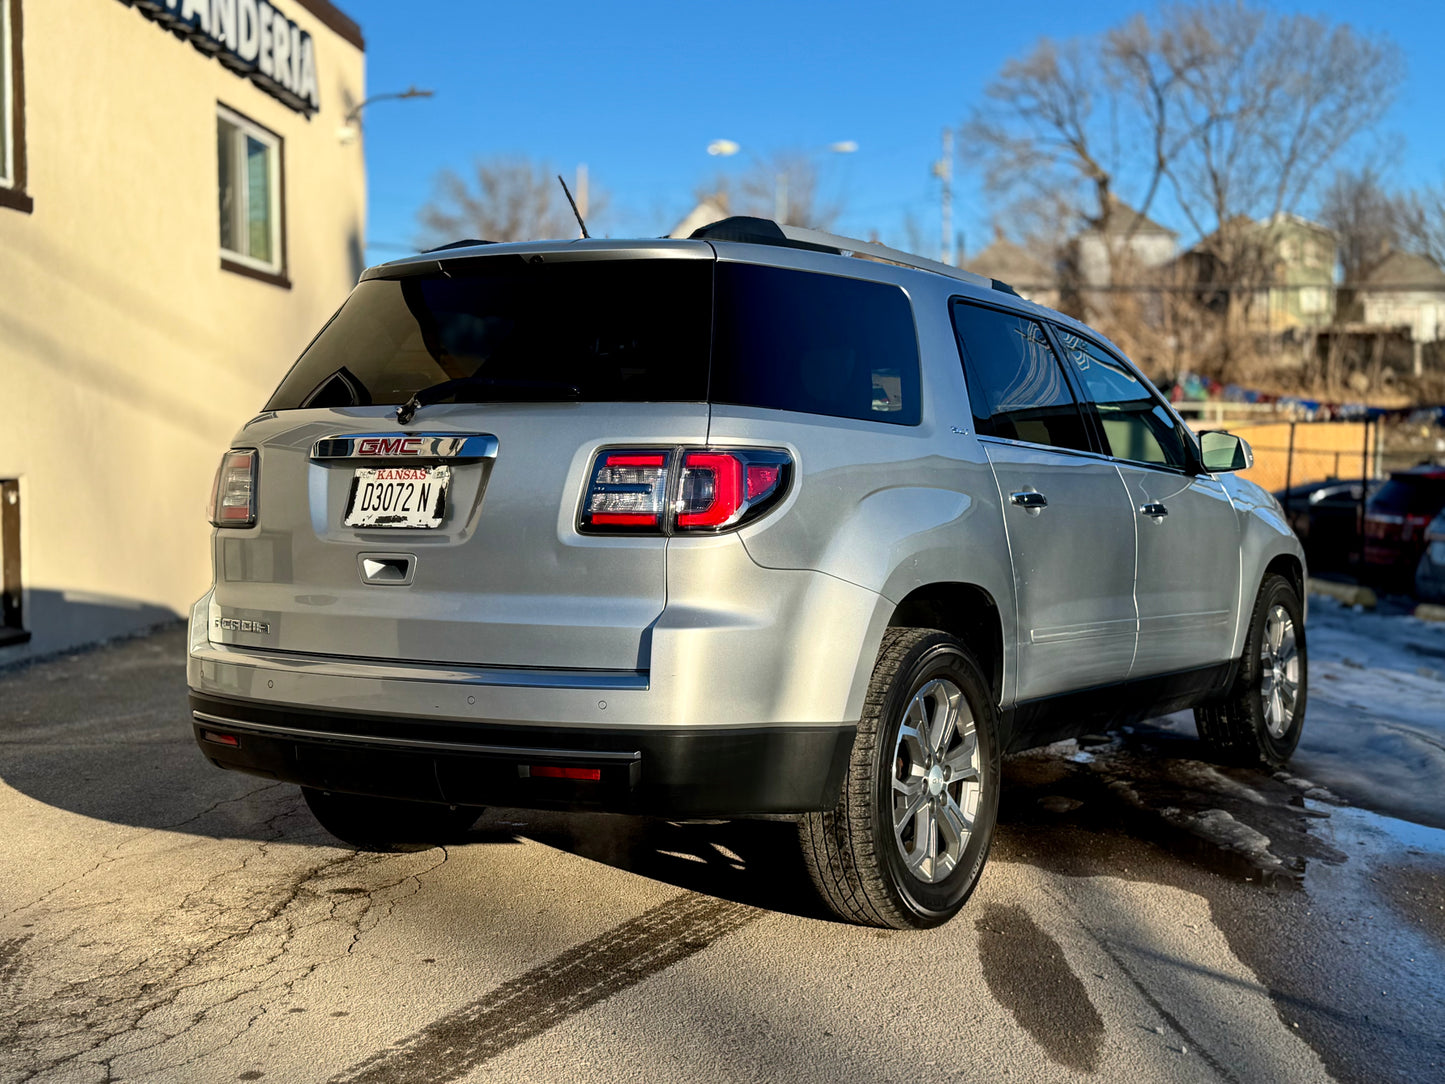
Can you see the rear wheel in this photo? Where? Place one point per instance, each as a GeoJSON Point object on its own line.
{"type": "Point", "coordinates": [388, 824]}
{"type": "Point", "coordinates": [907, 841]}
{"type": "Point", "coordinates": [1259, 721]}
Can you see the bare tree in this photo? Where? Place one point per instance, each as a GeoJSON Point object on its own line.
{"type": "Point", "coordinates": [1422, 222]}
{"type": "Point", "coordinates": [505, 199]}
{"type": "Point", "coordinates": [1365, 216]}
{"type": "Point", "coordinates": [786, 185]}
{"type": "Point", "coordinates": [1223, 112]}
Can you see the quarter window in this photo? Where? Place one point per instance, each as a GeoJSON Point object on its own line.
{"type": "Point", "coordinates": [1137, 425]}
{"type": "Point", "coordinates": [248, 161]}
{"type": "Point", "coordinates": [1016, 385]}
{"type": "Point", "coordinates": [814, 343]}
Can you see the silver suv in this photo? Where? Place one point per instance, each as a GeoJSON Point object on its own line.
{"type": "Point", "coordinates": [763, 521]}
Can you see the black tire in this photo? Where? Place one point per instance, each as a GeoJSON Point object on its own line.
{"type": "Point", "coordinates": [1239, 729]}
{"type": "Point", "coordinates": [388, 824]}
{"type": "Point", "coordinates": [857, 863]}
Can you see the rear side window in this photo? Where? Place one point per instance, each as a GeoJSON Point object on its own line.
{"type": "Point", "coordinates": [591, 330]}
{"type": "Point", "coordinates": [1136, 425]}
{"type": "Point", "coordinates": [1016, 385]}
{"type": "Point", "coordinates": [814, 343]}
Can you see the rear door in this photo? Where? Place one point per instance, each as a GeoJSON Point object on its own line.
{"type": "Point", "coordinates": [557, 357]}
{"type": "Point", "coordinates": [1187, 586]}
{"type": "Point", "coordinates": [1066, 509]}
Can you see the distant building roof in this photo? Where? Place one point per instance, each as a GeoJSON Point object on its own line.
{"type": "Point", "coordinates": [1011, 263]}
{"type": "Point", "coordinates": [707, 211]}
{"type": "Point", "coordinates": [1241, 225]}
{"type": "Point", "coordinates": [1123, 219]}
{"type": "Point", "coordinates": [1406, 269]}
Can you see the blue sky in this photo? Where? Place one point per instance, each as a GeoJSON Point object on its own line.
{"type": "Point", "coordinates": [637, 90]}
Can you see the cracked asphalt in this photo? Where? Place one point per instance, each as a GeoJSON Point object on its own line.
{"type": "Point", "coordinates": [164, 921]}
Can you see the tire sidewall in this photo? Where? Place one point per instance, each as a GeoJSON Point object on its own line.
{"type": "Point", "coordinates": [940, 656]}
{"type": "Point", "coordinates": [1276, 591]}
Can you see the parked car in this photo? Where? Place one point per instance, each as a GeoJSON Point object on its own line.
{"type": "Point", "coordinates": [1430, 572]}
{"type": "Point", "coordinates": [1327, 517]}
{"type": "Point", "coordinates": [1395, 520]}
{"type": "Point", "coordinates": [625, 526]}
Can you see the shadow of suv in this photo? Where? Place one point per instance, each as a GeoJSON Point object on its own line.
{"type": "Point", "coordinates": [628, 526]}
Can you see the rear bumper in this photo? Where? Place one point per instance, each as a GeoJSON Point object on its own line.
{"type": "Point", "coordinates": [675, 772]}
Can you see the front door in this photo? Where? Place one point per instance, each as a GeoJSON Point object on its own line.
{"type": "Point", "coordinates": [1188, 532]}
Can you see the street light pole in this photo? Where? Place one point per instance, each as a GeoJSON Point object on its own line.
{"type": "Point", "coordinates": [943, 170]}
{"type": "Point", "coordinates": [726, 148]}
{"type": "Point", "coordinates": [350, 124]}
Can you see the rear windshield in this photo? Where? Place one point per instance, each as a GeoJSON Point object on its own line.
{"type": "Point", "coordinates": [620, 331]}
{"type": "Point", "coordinates": [625, 331]}
{"type": "Point", "coordinates": [1404, 495]}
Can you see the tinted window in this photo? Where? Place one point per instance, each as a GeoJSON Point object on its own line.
{"type": "Point", "coordinates": [1407, 495]}
{"type": "Point", "coordinates": [1015, 381]}
{"type": "Point", "coordinates": [615, 330]}
{"type": "Point", "coordinates": [1136, 425]}
{"type": "Point", "coordinates": [818, 344]}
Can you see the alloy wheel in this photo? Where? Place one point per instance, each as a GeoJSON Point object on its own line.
{"type": "Point", "coordinates": [937, 780]}
{"type": "Point", "coordinates": [1279, 671]}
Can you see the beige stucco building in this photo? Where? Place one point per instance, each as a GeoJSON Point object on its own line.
{"type": "Point", "coordinates": [180, 211]}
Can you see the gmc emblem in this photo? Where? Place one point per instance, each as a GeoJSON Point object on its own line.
{"type": "Point", "coordinates": [389, 446]}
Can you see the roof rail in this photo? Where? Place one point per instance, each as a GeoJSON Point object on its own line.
{"type": "Point", "coordinates": [763, 231]}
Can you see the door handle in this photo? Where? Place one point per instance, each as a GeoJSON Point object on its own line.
{"type": "Point", "coordinates": [1029, 499]}
{"type": "Point", "coordinates": [1154, 509]}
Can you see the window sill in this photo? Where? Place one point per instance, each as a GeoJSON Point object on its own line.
{"type": "Point", "coordinates": [275, 278]}
{"type": "Point", "coordinates": [16, 200]}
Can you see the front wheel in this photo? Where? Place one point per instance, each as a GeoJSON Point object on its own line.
{"type": "Point", "coordinates": [907, 841]}
{"type": "Point", "coordinates": [1258, 723]}
{"type": "Point", "coordinates": [388, 824]}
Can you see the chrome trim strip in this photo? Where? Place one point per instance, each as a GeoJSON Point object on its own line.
{"type": "Point", "coordinates": [386, 670]}
{"type": "Point", "coordinates": [404, 445]}
{"type": "Point", "coordinates": [1093, 630]}
{"type": "Point", "coordinates": [418, 743]}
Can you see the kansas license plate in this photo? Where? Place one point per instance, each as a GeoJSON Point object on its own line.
{"type": "Point", "coordinates": [398, 497]}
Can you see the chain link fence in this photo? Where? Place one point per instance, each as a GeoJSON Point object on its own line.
{"type": "Point", "coordinates": [1323, 473]}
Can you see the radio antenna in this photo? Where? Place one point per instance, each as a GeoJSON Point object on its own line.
{"type": "Point", "coordinates": [573, 202]}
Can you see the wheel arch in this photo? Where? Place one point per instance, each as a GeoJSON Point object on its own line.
{"type": "Point", "coordinates": [1291, 568]}
{"type": "Point", "coordinates": [964, 610]}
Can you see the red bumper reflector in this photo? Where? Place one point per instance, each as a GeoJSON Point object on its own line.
{"type": "Point", "coordinates": [553, 771]}
{"type": "Point", "coordinates": [222, 739]}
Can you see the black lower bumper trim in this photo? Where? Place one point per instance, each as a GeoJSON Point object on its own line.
{"type": "Point", "coordinates": [666, 771]}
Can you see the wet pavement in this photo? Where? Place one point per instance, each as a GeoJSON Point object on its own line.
{"type": "Point", "coordinates": [1144, 916]}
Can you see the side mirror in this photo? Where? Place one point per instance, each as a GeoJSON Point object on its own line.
{"type": "Point", "coordinates": [1219, 451]}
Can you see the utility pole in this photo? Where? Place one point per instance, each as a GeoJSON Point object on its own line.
{"type": "Point", "coordinates": [943, 170]}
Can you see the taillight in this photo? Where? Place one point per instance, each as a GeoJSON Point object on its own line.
{"type": "Point", "coordinates": [628, 492]}
{"type": "Point", "coordinates": [666, 491]}
{"type": "Point", "coordinates": [233, 495]}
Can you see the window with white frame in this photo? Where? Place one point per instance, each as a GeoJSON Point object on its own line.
{"type": "Point", "coordinates": [248, 160]}
{"type": "Point", "coordinates": [7, 106]}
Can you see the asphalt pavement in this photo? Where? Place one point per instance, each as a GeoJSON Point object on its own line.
{"type": "Point", "coordinates": [1144, 916]}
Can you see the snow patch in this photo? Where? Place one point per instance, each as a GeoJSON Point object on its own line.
{"type": "Point", "coordinates": [1220, 828]}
